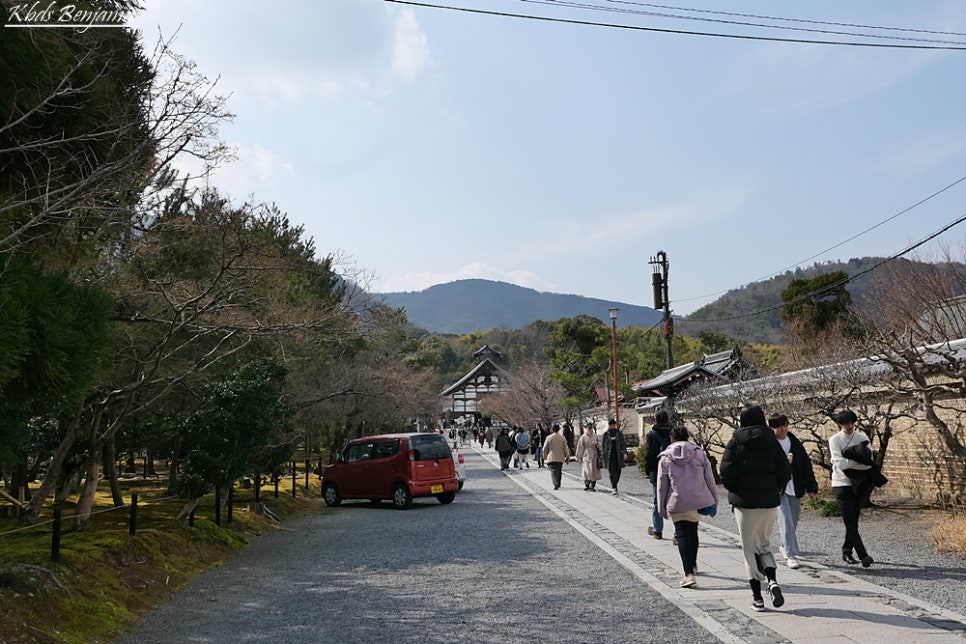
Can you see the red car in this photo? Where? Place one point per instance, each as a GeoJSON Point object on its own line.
{"type": "Point", "coordinates": [399, 467]}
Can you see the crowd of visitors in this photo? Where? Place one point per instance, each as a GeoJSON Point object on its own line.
{"type": "Point", "coordinates": [765, 469]}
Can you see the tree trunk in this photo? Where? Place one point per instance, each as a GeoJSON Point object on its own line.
{"type": "Point", "coordinates": [86, 502]}
{"type": "Point", "coordinates": [188, 509]}
{"type": "Point", "coordinates": [110, 471]}
{"type": "Point", "coordinates": [53, 472]}
{"type": "Point", "coordinates": [175, 464]}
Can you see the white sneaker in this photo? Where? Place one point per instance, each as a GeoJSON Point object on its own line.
{"type": "Point", "coordinates": [793, 563]}
{"type": "Point", "coordinates": [688, 581]}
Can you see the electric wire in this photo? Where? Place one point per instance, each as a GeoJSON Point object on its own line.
{"type": "Point", "coordinates": [842, 282]}
{"type": "Point", "coordinates": [783, 19]}
{"type": "Point", "coordinates": [841, 243]}
{"type": "Point", "coordinates": [656, 14]}
{"type": "Point", "coordinates": [806, 41]}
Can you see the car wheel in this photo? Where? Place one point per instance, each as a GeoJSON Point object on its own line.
{"type": "Point", "coordinates": [331, 495]}
{"type": "Point", "coordinates": [461, 485]}
{"type": "Point", "coordinates": [446, 497]}
{"type": "Point", "coordinates": [401, 497]}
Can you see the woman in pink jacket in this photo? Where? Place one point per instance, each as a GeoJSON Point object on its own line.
{"type": "Point", "coordinates": [685, 485]}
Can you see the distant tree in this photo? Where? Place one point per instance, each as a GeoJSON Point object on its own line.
{"type": "Point", "coordinates": [580, 351]}
{"type": "Point", "coordinates": [811, 306]}
{"type": "Point", "coordinates": [532, 395]}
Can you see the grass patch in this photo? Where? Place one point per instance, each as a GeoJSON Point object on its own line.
{"type": "Point", "coordinates": [949, 534]}
{"type": "Point", "coordinates": [105, 578]}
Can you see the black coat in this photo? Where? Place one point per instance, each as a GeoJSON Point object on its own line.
{"type": "Point", "coordinates": [652, 449]}
{"type": "Point", "coordinates": [754, 468]}
{"type": "Point", "coordinates": [802, 473]}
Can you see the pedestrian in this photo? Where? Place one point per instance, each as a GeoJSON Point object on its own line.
{"type": "Point", "coordinates": [656, 441]}
{"type": "Point", "coordinates": [802, 482]}
{"type": "Point", "coordinates": [754, 469]}
{"type": "Point", "coordinates": [504, 448]}
{"type": "Point", "coordinates": [537, 438]}
{"type": "Point", "coordinates": [685, 489]}
{"type": "Point", "coordinates": [614, 453]}
{"type": "Point", "coordinates": [849, 490]}
{"type": "Point", "coordinates": [489, 436]}
{"type": "Point", "coordinates": [556, 452]}
{"type": "Point", "coordinates": [481, 436]}
{"type": "Point", "coordinates": [522, 442]}
{"type": "Point", "coordinates": [589, 456]}
{"type": "Point", "coordinates": [568, 434]}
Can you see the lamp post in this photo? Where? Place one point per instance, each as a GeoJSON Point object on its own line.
{"type": "Point", "coordinates": [613, 323]}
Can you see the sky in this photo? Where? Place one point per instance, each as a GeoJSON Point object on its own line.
{"type": "Point", "coordinates": [422, 145]}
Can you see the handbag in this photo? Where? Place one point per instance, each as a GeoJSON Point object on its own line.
{"type": "Point", "coordinates": [709, 511]}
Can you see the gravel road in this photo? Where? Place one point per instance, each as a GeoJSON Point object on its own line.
{"type": "Point", "coordinates": [494, 566]}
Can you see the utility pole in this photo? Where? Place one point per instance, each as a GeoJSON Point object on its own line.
{"type": "Point", "coordinates": [661, 301]}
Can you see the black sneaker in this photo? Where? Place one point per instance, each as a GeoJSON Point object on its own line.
{"type": "Point", "coordinates": [777, 598]}
{"type": "Point", "coordinates": [758, 605]}
{"type": "Point", "coordinates": [867, 561]}
{"type": "Point", "coordinates": [848, 558]}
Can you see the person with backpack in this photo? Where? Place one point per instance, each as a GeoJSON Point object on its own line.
{"type": "Point", "coordinates": [656, 441]}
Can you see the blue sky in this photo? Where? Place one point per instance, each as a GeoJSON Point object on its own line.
{"type": "Point", "coordinates": [422, 145]}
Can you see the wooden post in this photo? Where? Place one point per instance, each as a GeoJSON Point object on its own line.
{"type": "Point", "coordinates": [55, 536]}
{"type": "Point", "coordinates": [132, 529]}
{"type": "Point", "coordinates": [217, 505]}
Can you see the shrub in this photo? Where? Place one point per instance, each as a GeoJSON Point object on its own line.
{"type": "Point", "coordinates": [822, 507]}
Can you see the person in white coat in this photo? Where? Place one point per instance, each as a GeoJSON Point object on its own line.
{"type": "Point", "coordinates": [589, 457]}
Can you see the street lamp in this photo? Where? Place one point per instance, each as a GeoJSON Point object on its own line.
{"type": "Point", "coordinates": [613, 322]}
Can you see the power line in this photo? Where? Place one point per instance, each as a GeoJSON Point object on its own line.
{"type": "Point", "coordinates": [841, 243]}
{"type": "Point", "coordinates": [781, 19]}
{"type": "Point", "coordinates": [639, 12]}
{"type": "Point", "coordinates": [587, 23]}
{"type": "Point", "coordinates": [843, 282]}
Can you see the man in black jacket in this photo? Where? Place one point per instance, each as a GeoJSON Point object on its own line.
{"type": "Point", "coordinates": [754, 469]}
{"type": "Point", "coordinates": [802, 482]}
{"type": "Point", "coordinates": [656, 442]}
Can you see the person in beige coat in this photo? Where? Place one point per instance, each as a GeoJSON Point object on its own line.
{"type": "Point", "coordinates": [589, 457]}
{"type": "Point", "coordinates": [556, 452]}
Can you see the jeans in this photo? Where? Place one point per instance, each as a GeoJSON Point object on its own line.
{"type": "Point", "coordinates": [687, 534]}
{"type": "Point", "coordinates": [848, 502]}
{"type": "Point", "coordinates": [789, 512]}
{"type": "Point", "coordinates": [657, 521]}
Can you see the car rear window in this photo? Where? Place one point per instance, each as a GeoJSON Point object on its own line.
{"type": "Point", "coordinates": [430, 447]}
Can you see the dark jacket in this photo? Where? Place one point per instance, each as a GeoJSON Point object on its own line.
{"type": "Point", "coordinates": [802, 473]}
{"type": "Point", "coordinates": [609, 445]}
{"type": "Point", "coordinates": [754, 468]}
{"type": "Point", "coordinates": [653, 449]}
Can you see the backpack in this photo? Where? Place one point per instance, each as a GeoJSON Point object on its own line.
{"type": "Point", "coordinates": [663, 442]}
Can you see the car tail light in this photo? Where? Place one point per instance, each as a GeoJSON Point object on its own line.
{"type": "Point", "coordinates": [460, 457]}
{"type": "Point", "coordinates": [412, 455]}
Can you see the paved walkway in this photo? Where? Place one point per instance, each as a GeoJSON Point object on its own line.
{"type": "Point", "coordinates": [821, 604]}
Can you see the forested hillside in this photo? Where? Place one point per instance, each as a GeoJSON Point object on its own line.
{"type": "Point", "coordinates": [750, 313]}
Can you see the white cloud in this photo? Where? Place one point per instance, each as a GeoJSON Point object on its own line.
{"type": "Point", "coordinates": [256, 170]}
{"type": "Point", "coordinates": [410, 47]}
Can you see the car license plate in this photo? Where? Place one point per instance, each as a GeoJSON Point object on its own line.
{"type": "Point", "coordinates": [436, 489]}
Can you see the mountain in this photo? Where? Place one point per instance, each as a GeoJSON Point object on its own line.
{"type": "Point", "coordinates": [471, 305]}
{"type": "Point", "coordinates": [751, 313]}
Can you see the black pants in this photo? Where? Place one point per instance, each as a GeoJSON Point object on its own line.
{"type": "Point", "coordinates": [615, 475]}
{"type": "Point", "coordinates": [849, 504]}
{"type": "Point", "coordinates": [687, 534]}
{"type": "Point", "coordinates": [556, 473]}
